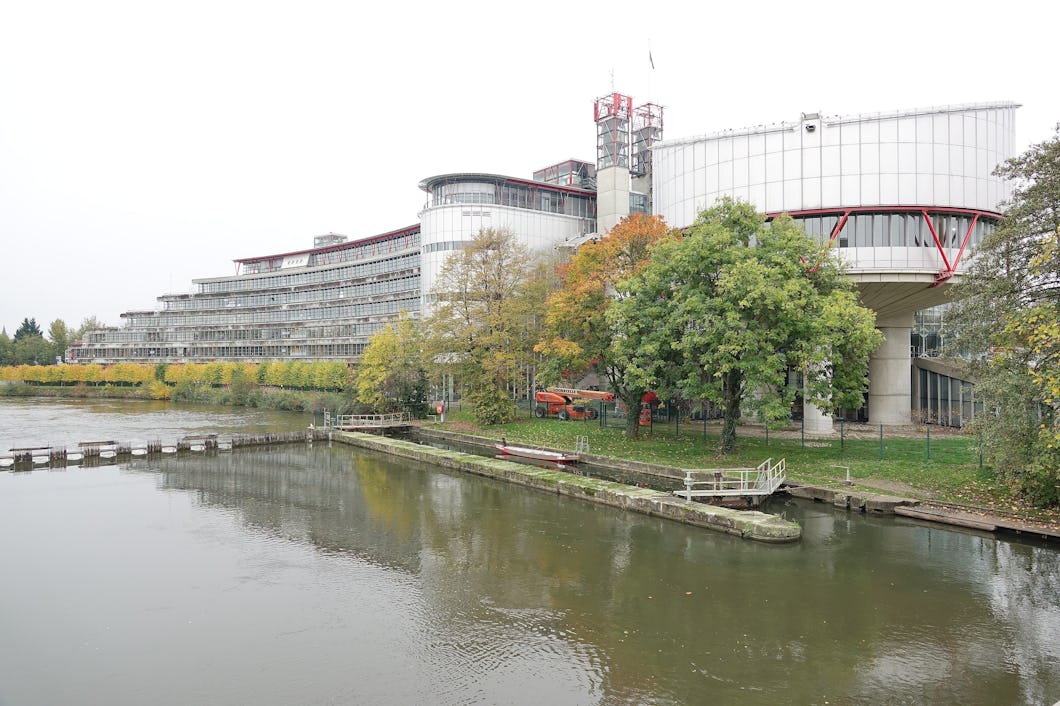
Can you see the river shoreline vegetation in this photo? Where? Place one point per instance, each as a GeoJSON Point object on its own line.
{"type": "Point", "coordinates": [725, 315]}
{"type": "Point", "coordinates": [928, 463]}
{"type": "Point", "coordinates": [288, 386]}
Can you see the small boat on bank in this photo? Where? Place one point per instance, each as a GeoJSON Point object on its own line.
{"type": "Point", "coordinates": [537, 454]}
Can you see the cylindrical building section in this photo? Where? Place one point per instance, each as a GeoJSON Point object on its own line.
{"type": "Point", "coordinates": [903, 196]}
{"type": "Point", "coordinates": [540, 215]}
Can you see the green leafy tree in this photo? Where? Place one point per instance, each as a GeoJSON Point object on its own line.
{"type": "Point", "coordinates": [59, 335]}
{"type": "Point", "coordinates": [391, 375]}
{"type": "Point", "coordinates": [1006, 320]}
{"type": "Point", "coordinates": [578, 332]}
{"type": "Point", "coordinates": [725, 312]}
{"type": "Point", "coordinates": [28, 327]}
{"type": "Point", "coordinates": [7, 349]}
{"type": "Point", "coordinates": [33, 350]}
{"type": "Point", "coordinates": [474, 323]}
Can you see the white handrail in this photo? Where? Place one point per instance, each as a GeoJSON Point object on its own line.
{"type": "Point", "coordinates": [734, 482]}
{"type": "Point", "coordinates": [370, 420]}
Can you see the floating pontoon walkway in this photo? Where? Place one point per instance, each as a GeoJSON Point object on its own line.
{"type": "Point", "coordinates": [751, 483]}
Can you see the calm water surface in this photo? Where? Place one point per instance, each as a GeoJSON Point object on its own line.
{"type": "Point", "coordinates": [65, 423]}
{"type": "Point", "coordinates": [317, 575]}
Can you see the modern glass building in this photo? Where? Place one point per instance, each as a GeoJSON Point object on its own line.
{"type": "Point", "coordinates": [325, 303]}
{"type": "Point", "coordinates": [315, 304]}
{"type": "Point", "coordinates": [903, 196]}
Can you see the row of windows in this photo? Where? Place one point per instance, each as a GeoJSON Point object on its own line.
{"type": "Point", "coordinates": [535, 198]}
{"type": "Point", "coordinates": [320, 351]}
{"type": "Point", "coordinates": [356, 291]}
{"type": "Point", "coordinates": [344, 311]}
{"type": "Point", "coordinates": [362, 330]}
{"type": "Point", "coordinates": [256, 333]}
{"type": "Point", "coordinates": [941, 399]}
{"type": "Point", "coordinates": [346, 253]}
{"type": "Point", "coordinates": [447, 245]}
{"type": "Point", "coordinates": [897, 229]}
{"type": "Point", "coordinates": [335, 274]}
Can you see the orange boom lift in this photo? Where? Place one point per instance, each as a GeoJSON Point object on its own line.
{"type": "Point", "coordinates": [568, 402]}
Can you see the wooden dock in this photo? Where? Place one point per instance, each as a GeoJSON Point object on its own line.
{"type": "Point", "coordinates": [95, 453]}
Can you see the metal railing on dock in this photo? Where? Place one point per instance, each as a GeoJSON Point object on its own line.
{"type": "Point", "coordinates": [366, 421]}
{"type": "Point", "coordinates": [733, 482]}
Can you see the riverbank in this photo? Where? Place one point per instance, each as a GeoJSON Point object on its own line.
{"type": "Point", "coordinates": [250, 396]}
{"type": "Point", "coordinates": [747, 524]}
{"type": "Point", "coordinates": [933, 467]}
{"type": "Point", "coordinates": [927, 464]}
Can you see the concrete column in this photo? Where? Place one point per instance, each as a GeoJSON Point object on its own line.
{"type": "Point", "coordinates": [612, 197]}
{"type": "Point", "coordinates": [889, 386]}
{"type": "Point", "coordinates": [816, 422]}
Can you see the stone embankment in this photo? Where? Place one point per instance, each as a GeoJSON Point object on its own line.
{"type": "Point", "coordinates": [838, 494]}
{"type": "Point", "coordinates": [925, 510]}
{"type": "Point", "coordinates": [747, 524]}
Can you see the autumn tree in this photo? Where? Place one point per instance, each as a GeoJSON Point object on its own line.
{"type": "Point", "coordinates": [474, 333]}
{"type": "Point", "coordinates": [578, 333]}
{"type": "Point", "coordinates": [1006, 318]}
{"type": "Point", "coordinates": [727, 310]}
{"type": "Point", "coordinates": [392, 373]}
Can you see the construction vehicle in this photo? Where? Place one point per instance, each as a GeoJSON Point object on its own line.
{"type": "Point", "coordinates": [568, 403]}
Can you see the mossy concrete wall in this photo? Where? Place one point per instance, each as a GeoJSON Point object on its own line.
{"type": "Point", "coordinates": [619, 464]}
{"type": "Point", "coordinates": [748, 524]}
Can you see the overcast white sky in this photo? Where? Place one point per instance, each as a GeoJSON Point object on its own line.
{"type": "Point", "coordinates": [144, 144]}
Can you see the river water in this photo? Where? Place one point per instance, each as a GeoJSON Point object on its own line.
{"type": "Point", "coordinates": [325, 575]}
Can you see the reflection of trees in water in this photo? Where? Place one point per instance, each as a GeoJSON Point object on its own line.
{"type": "Point", "coordinates": [654, 611]}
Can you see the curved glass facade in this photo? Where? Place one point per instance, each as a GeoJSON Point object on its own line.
{"type": "Point", "coordinates": [932, 157]}
{"type": "Point", "coordinates": [506, 191]}
{"type": "Point", "coordinates": [458, 206]}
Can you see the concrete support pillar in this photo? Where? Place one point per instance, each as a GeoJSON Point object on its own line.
{"type": "Point", "coordinates": [816, 422]}
{"type": "Point", "coordinates": [889, 386]}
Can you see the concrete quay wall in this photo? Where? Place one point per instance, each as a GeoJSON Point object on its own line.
{"type": "Point", "coordinates": [754, 525]}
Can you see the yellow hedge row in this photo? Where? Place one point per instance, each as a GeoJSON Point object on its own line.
{"type": "Point", "coordinates": [328, 375]}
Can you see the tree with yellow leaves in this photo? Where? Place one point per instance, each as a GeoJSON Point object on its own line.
{"type": "Point", "coordinates": [1007, 319]}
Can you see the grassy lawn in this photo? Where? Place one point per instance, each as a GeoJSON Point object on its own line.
{"type": "Point", "coordinates": [951, 473]}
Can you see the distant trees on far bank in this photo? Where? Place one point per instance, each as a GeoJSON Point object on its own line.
{"type": "Point", "coordinates": [32, 346]}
